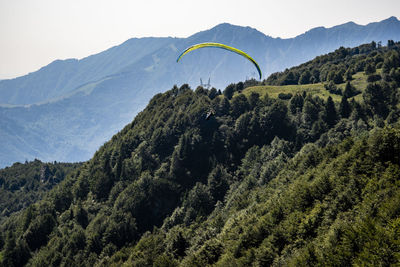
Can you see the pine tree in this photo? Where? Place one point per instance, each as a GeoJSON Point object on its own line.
{"type": "Point", "coordinates": [348, 75]}
{"type": "Point", "coordinates": [330, 111]}
{"type": "Point", "coordinates": [344, 108]}
{"type": "Point", "coordinates": [350, 91]}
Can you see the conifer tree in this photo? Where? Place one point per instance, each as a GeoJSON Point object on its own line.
{"type": "Point", "coordinates": [330, 111]}
{"type": "Point", "coordinates": [344, 108]}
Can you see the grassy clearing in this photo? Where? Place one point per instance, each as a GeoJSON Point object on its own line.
{"type": "Point", "coordinates": [359, 81]}
{"type": "Point", "coordinates": [273, 91]}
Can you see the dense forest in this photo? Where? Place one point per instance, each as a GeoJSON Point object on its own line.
{"type": "Point", "coordinates": [298, 179]}
{"type": "Point", "coordinates": [24, 184]}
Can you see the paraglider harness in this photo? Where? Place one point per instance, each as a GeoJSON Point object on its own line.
{"type": "Point", "coordinates": [210, 113]}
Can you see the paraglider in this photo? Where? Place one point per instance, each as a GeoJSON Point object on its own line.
{"type": "Point", "coordinates": [218, 45]}
{"type": "Point", "coordinates": [209, 114]}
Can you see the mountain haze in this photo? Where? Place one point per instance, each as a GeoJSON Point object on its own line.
{"type": "Point", "coordinates": [65, 110]}
{"type": "Point", "coordinates": [64, 76]}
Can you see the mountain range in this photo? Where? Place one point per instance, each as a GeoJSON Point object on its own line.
{"type": "Point", "coordinates": [302, 169]}
{"type": "Point", "coordinates": [67, 109]}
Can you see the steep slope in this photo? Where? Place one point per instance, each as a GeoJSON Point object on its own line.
{"type": "Point", "coordinates": [122, 79]}
{"type": "Point", "coordinates": [322, 40]}
{"type": "Point", "coordinates": [262, 181]}
{"type": "Point", "coordinates": [70, 129]}
{"type": "Point", "coordinates": [156, 55]}
{"type": "Point", "coordinates": [326, 207]}
{"type": "Point", "coordinates": [25, 184]}
{"type": "Point", "coordinates": [63, 76]}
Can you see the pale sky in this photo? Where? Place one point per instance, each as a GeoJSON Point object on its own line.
{"type": "Point", "coordinates": [34, 33]}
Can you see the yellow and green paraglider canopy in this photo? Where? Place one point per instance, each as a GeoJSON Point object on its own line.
{"type": "Point", "coordinates": [218, 45]}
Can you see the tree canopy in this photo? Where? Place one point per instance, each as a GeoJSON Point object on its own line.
{"type": "Point", "coordinates": [285, 181]}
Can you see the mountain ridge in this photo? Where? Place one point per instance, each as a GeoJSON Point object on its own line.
{"type": "Point", "coordinates": [109, 88]}
{"type": "Point", "coordinates": [267, 180]}
{"type": "Point", "coordinates": [223, 27]}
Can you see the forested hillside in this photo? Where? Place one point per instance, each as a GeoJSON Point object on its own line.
{"type": "Point", "coordinates": [238, 178]}
{"type": "Point", "coordinates": [24, 184]}
{"type": "Point", "coordinates": [66, 110]}
{"type": "Point", "coordinates": [341, 64]}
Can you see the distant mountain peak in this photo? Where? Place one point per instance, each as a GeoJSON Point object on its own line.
{"type": "Point", "coordinates": [227, 26]}
{"type": "Point", "coordinates": [224, 24]}
{"type": "Point", "coordinates": [224, 32]}
{"type": "Point", "coordinates": [351, 23]}
{"type": "Point", "coordinates": [392, 18]}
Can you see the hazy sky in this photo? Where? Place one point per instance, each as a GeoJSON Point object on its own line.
{"type": "Point", "coordinates": [33, 33]}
